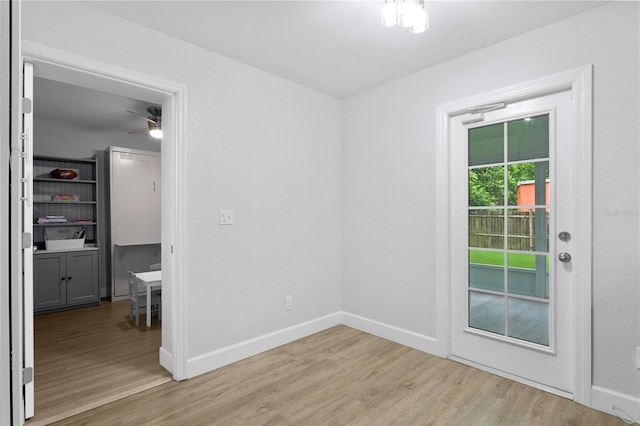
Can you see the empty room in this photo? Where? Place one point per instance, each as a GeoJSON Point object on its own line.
{"type": "Point", "coordinates": [371, 212]}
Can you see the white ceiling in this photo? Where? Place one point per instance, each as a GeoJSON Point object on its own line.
{"type": "Point", "coordinates": [59, 101]}
{"type": "Point", "coordinates": [339, 47]}
{"type": "Point", "coordinates": [336, 47]}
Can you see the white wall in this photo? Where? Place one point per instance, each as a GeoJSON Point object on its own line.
{"type": "Point", "coordinates": [389, 138]}
{"type": "Point", "coordinates": [258, 144]}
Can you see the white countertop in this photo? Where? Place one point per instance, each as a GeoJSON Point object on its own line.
{"type": "Point", "coordinates": [65, 250]}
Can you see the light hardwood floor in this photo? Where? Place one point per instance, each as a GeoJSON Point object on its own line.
{"type": "Point", "coordinates": [343, 376]}
{"type": "Point", "coordinates": [87, 357]}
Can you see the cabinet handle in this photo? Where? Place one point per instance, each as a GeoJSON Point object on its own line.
{"type": "Point", "coordinates": [63, 278]}
{"type": "Point", "coordinates": [69, 278]}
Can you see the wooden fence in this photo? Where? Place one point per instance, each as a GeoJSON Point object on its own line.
{"type": "Point", "coordinates": [486, 229]}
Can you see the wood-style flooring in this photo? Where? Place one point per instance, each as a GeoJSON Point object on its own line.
{"type": "Point", "coordinates": [87, 357]}
{"type": "Point", "coordinates": [343, 376]}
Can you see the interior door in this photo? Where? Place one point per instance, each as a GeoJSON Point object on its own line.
{"type": "Point", "coordinates": [512, 202]}
{"type": "Point", "coordinates": [27, 232]}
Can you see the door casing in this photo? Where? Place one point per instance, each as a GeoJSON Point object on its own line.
{"type": "Point", "coordinates": [63, 66]}
{"type": "Point", "coordinates": [579, 81]}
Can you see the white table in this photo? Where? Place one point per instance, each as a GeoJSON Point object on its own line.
{"type": "Point", "coordinates": [152, 280]}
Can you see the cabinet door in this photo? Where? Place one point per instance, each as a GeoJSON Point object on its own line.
{"type": "Point", "coordinates": [82, 277]}
{"type": "Point", "coordinates": [49, 277]}
{"type": "Point", "coordinates": [135, 206]}
{"type": "Point", "coordinates": [155, 203]}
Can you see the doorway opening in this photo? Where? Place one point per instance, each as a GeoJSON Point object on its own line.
{"type": "Point", "coordinates": [114, 83]}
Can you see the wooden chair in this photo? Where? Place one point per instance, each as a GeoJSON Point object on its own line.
{"type": "Point", "coordinates": [138, 300]}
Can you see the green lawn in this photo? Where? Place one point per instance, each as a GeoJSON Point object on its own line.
{"type": "Point", "coordinates": [516, 260]}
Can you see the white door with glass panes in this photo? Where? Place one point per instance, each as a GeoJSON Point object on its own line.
{"type": "Point", "coordinates": [512, 198]}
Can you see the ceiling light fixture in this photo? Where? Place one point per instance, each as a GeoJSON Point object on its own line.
{"type": "Point", "coordinates": [155, 131]}
{"type": "Point", "coordinates": [405, 13]}
{"type": "Point", "coordinates": [154, 122]}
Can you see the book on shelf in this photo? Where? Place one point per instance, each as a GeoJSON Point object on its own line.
{"type": "Point", "coordinates": [52, 219]}
{"type": "Point", "coordinates": [64, 197]}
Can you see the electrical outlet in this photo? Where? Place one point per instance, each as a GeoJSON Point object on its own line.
{"type": "Point", "coordinates": [638, 358]}
{"type": "Point", "coordinates": [226, 217]}
{"type": "Point", "coordinates": [288, 303]}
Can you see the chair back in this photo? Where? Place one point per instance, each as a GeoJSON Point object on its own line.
{"type": "Point", "coordinates": [134, 291]}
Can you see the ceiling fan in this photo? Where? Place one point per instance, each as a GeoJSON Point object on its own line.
{"type": "Point", "coordinates": [154, 122]}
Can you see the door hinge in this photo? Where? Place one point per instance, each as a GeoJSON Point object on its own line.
{"type": "Point", "coordinates": [26, 240]}
{"type": "Point", "coordinates": [27, 375]}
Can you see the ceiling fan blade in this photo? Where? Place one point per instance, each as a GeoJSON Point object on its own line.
{"type": "Point", "coordinates": [139, 131]}
{"type": "Point", "coordinates": [142, 116]}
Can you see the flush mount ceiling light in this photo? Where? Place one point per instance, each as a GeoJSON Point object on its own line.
{"type": "Point", "coordinates": [405, 13]}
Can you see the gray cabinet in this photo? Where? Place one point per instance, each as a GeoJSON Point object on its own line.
{"type": "Point", "coordinates": [64, 280]}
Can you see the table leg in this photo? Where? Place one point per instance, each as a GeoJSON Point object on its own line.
{"type": "Point", "coordinates": [149, 306]}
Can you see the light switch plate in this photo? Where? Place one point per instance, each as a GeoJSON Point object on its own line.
{"type": "Point", "coordinates": [226, 217]}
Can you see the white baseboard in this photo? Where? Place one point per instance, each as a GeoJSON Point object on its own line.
{"type": "Point", "coordinates": [604, 400]}
{"type": "Point", "coordinates": [395, 334]}
{"type": "Point", "coordinates": [166, 360]}
{"type": "Point", "coordinates": [230, 354]}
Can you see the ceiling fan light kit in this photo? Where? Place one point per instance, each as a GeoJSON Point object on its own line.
{"type": "Point", "coordinates": [154, 122]}
{"type": "Point", "coordinates": [405, 13]}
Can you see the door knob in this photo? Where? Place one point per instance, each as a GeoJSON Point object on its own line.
{"type": "Point", "coordinates": [564, 236]}
{"type": "Point", "coordinates": [564, 257]}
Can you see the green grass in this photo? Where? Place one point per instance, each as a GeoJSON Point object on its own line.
{"type": "Point", "coordinates": [516, 260]}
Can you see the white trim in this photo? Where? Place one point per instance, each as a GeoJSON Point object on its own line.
{"type": "Point", "coordinates": [5, 107]}
{"type": "Point", "coordinates": [580, 81]}
{"type": "Point", "coordinates": [604, 399]}
{"type": "Point", "coordinates": [399, 335]}
{"type": "Point", "coordinates": [166, 358]}
{"type": "Point", "coordinates": [236, 352]}
{"type": "Point", "coordinates": [122, 81]}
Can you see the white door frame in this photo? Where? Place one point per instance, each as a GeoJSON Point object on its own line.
{"type": "Point", "coordinates": [66, 67]}
{"type": "Point", "coordinates": [579, 81]}
{"type": "Point", "coordinates": [9, 47]}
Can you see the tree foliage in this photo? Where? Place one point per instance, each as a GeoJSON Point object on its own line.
{"type": "Point", "coordinates": [486, 185]}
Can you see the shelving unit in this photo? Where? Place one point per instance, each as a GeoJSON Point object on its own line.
{"type": "Point", "coordinates": [65, 278]}
{"type": "Point", "coordinates": [85, 208]}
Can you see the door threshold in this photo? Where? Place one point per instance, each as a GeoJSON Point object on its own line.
{"type": "Point", "coordinates": [35, 421]}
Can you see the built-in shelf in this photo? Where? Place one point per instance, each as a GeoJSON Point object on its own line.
{"type": "Point", "coordinates": [64, 202]}
{"type": "Point", "coordinates": [83, 204]}
{"type": "Point", "coordinates": [41, 179]}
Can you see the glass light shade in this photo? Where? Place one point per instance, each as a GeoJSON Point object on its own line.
{"type": "Point", "coordinates": [420, 22]}
{"type": "Point", "coordinates": [407, 13]}
{"type": "Point", "coordinates": [155, 133]}
{"type": "Point", "coordinates": [389, 13]}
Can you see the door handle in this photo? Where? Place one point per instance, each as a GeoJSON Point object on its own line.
{"type": "Point", "coordinates": [564, 257]}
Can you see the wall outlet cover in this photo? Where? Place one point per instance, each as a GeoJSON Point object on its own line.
{"type": "Point", "coordinates": [226, 217]}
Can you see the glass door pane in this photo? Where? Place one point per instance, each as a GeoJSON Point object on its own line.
{"type": "Point", "coordinates": [508, 211]}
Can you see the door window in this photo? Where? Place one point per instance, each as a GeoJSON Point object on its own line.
{"type": "Point", "coordinates": [508, 242]}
